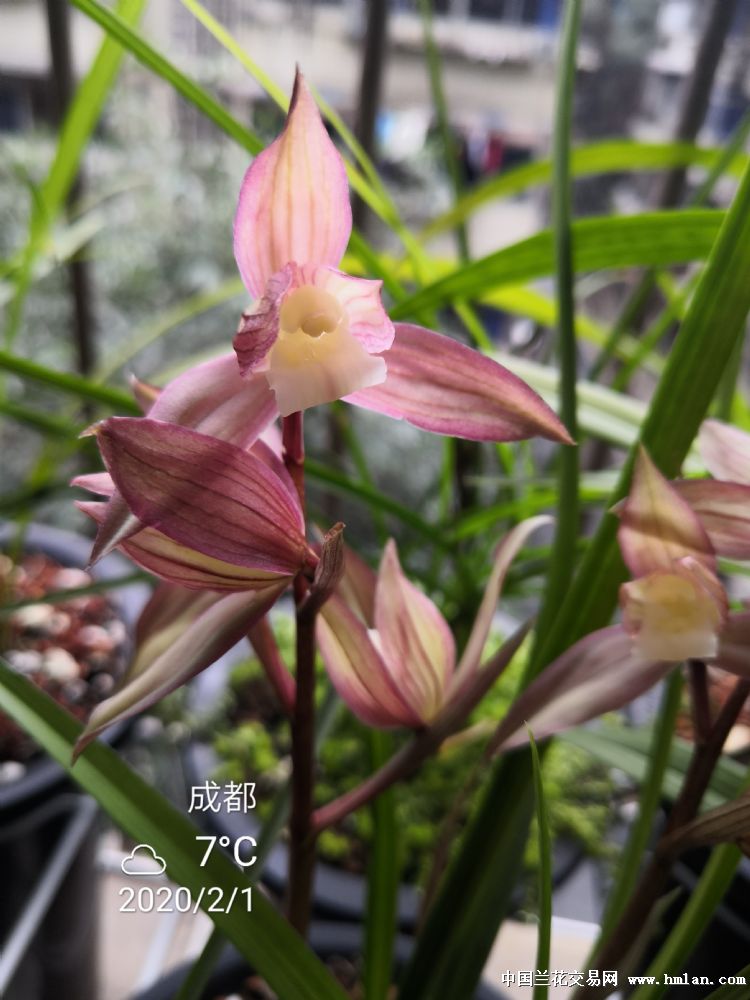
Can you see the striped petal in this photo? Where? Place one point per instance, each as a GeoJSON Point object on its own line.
{"type": "Point", "coordinates": [725, 450]}
{"type": "Point", "coordinates": [657, 526]}
{"type": "Point", "coordinates": [162, 665]}
{"type": "Point", "coordinates": [181, 565]}
{"type": "Point", "coordinates": [294, 201]}
{"type": "Point", "coordinates": [357, 670]}
{"type": "Point", "coordinates": [724, 511]}
{"type": "Point", "coordinates": [360, 299]}
{"type": "Point", "coordinates": [417, 645]}
{"type": "Point", "coordinates": [445, 387]}
{"type": "Point", "coordinates": [206, 494]}
{"type": "Point", "coordinates": [598, 674]}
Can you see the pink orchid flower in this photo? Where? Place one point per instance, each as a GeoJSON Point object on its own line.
{"type": "Point", "coordinates": [390, 653]}
{"type": "Point", "coordinates": [317, 334]}
{"type": "Point", "coordinates": [675, 609]}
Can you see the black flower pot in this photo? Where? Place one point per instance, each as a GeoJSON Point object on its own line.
{"type": "Point", "coordinates": [48, 837]}
{"type": "Point", "coordinates": [328, 941]}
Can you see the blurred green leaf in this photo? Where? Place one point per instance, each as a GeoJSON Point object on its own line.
{"type": "Point", "coordinates": [651, 238]}
{"type": "Point", "coordinates": [74, 385]}
{"type": "Point", "coordinates": [618, 156]}
{"type": "Point", "coordinates": [544, 932]}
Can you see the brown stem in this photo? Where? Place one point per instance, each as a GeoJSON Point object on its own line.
{"type": "Point", "coordinates": [700, 701]}
{"type": "Point", "coordinates": [656, 873]}
{"type": "Point", "coordinates": [293, 449]}
{"type": "Point", "coordinates": [262, 640]}
{"type": "Point", "coordinates": [301, 833]}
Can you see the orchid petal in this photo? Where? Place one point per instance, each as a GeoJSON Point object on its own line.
{"type": "Point", "coordinates": [357, 587]}
{"type": "Point", "coordinates": [725, 450]}
{"type": "Point", "coordinates": [357, 670]}
{"type": "Point", "coordinates": [724, 511]}
{"type": "Point", "coordinates": [212, 398]}
{"type": "Point", "coordinates": [442, 386]}
{"type": "Point", "coordinates": [259, 327]}
{"type": "Point", "coordinates": [506, 552]}
{"type": "Point", "coordinates": [160, 667]}
{"type": "Point", "coordinates": [204, 493]}
{"type": "Point", "coordinates": [417, 645]}
{"type": "Point", "coordinates": [294, 201]}
{"type": "Point", "coordinates": [598, 674]}
{"type": "Point", "coordinates": [361, 301]}
{"type": "Point", "coordinates": [181, 565]}
{"type": "Point", "coordinates": [658, 527]}
{"type": "Point", "coordinates": [675, 615]}
{"type": "Point", "coordinates": [145, 394]}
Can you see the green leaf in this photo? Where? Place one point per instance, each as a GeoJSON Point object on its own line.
{"type": "Point", "coordinates": [651, 238]}
{"type": "Point", "coordinates": [543, 947]}
{"type": "Point", "coordinates": [383, 872]}
{"type": "Point", "coordinates": [117, 28]}
{"type": "Point", "coordinates": [264, 937]}
{"type": "Point", "coordinates": [733, 992]}
{"type": "Point", "coordinates": [701, 904]}
{"type": "Point", "coordinates": [567, 523]}
{"type": "Point", "coordinates": [74, 385]}
{"type": "Point", "coordinates": [618, 156]}
{"type": "Point", "coordinates": [630, 750]}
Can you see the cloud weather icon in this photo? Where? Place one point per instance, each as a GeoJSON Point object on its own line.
{"type": "Point", "coordinates": [143, 860]}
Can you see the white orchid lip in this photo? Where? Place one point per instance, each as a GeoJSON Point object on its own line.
{"type": "Point", "coordinates": [315, 358]}
{"type": "Point", "coordinates": [311, 311]}
{"type": "Point", "coordinates": [670, 618]}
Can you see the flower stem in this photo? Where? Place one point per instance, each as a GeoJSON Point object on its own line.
{"type": "Point", "coordinates": [301, 836]}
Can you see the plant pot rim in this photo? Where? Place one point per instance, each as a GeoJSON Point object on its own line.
{"type": "Point", "coordinates": [44, 776]}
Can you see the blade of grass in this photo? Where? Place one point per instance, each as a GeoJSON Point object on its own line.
{"type": "Point", "coordinates": [544, 939]}
{"type": "Point", "coordinates": [731, 991]}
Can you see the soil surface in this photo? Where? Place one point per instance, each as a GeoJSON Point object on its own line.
{"type": "Point", "coordinates": [74, 648]}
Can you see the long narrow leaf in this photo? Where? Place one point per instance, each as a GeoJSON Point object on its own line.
{"type": "Point", "coordinates": [652, 238]}
{"type": "Point", "coordinates": [544, 940]}
{"type": "Point", "coordinates": [263, 936]}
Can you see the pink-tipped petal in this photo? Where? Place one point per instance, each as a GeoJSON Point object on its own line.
{"type": "Point", "coordinates": [360, 299]}
{"type": "Point", "coordinates": [445, 387]}
{"type": "Point", "coordinates": [181, 565]}
{"type": "Point", "coordinates": [145, 394]}
{"type": "Point", "coordinates": [724, 511]}
{"type": "Point", "coordinates": [657, 526]}
{"type": "Point", "coordinates": [598, 674]}
{"type": "Point", "coordinates": [162, 666]}
{"type": "Point", "coordinates": [506, 552]}
{"type": "Point", "coordinates": [357, 670]}
{"type": "Point", "coordinates": [725, 450]}
{"type": "Point", "coordinates": [417, 645]}
{"type": "Point", "coordinates": [259, 327]}
{"type": "Point", "coordinates": [204, 493]}
{"type": "Point", "coordinates": [294, 201]}
{"type": "Point", "coordinates": [95, 482]}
